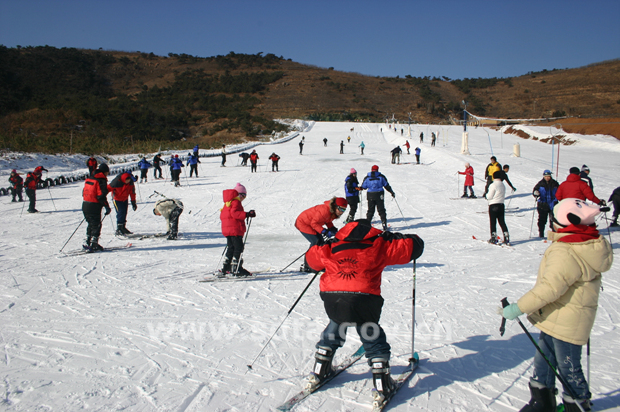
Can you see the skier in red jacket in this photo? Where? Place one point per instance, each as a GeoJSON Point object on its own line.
{"type": "Point", "coordinates": [32, 180]}
{"type": "Point", "coordinates": [122, 187]}
{"type": "Point", "coordinates": [351, 292]}
{"type": "Point", "coordinates": [575, 188]}
{"type": "Point", "coordinates": [95, 194]}
{"type": "Point", "coordinates": [233, 218]}
{"type": "Point", "coordinates": [469, 181]}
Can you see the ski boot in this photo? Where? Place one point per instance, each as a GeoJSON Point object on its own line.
{"type": "Point", "coordinates": [86, 244]}
{"type": "Point", "coordinates": [493, 239]}
{"type": "Point", "coordinates": [506, 239]}
{"type": "Point", "coordinates": [464, 196]}
{"type": "Point", "coordinates": [94, 245]}
{"type": "Point", "coordinates": [322, 366]}
{"type": "Point", "coordinates": [125, 230]}
{"type": "Point", "coordinates": [172, 236]}
{"type": "Point", "coordinates": [543, 399]}
{"type": "Point", "coordinates": [305, 268]}
{"type": "Point", "coordinates": [119, 230]}
{"type": "Point", "coordinates": [473, 196]}
{"type": "Point", "coordinates": [614, 223]}
{"type": "Point", "coordinates": [226, 267]}
{"type": "Point", "coordinates": [570, 404]}
{"type": "Point", "coordinates": [383, 382]}
{"type": "Point", "coordinates": [238, 270]}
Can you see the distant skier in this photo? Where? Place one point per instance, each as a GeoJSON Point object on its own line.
{"type": "Point", "coordinates": [274, 162]}
{"type": "Point", "coordinates": [348, 139]}
{"type": "Point", "coordinates": [301, 145]}
{"type": "Point", "coordinates": [352, 193]}
{"type": "Point", "coordinates": [233, 219]}
{"type": "Point", "coordinates": [157, 166]}
{"type": "Point", "coordinates": [421, 137]}
{"type": "Point", "coordinates": [433, 138]}
{"type": "Point", "coordinates": [316, 222]}
{"type": "Point", "coordinates": [375, 182]}
{"type": "Point", "coordinates": [325, 142]}
{"type": "Point", "coordinates": [495, 199]}
{"type": "Point", "coordinates": [396, 154]}
{"type": "Point", "coordinates": [342, 147]}
{"type": "Point", "coordinates": [488, 173]}
{"type": "Point", "coordinates": [175, 170]}
{"type": "Point", "coordinates": [192, 162]}
{"type": "Point", "coordinates": [407, 145]}
{"type": "Point", "coordinates": [574, 187]}
{"type": "Point", "coordinates": [196, 151]}
{"type": "Point", "coordinates": [362, 146]}
{"type": "Point", "coordinates": [223, 156]}
{"type": "Point", "coordinates": [351, 292]}
{"type": "Point", "coordinates": [253, 161]}
{"type": "Point", "coordinates": [32, 181]}
{"type": "Point", "coordinates": [584, 175]}
{"type": "Point", "coordinates": [469, 181]}
{"type": "Point", "coordinates": [506, 169]}
{"type": "Point", "coordinates": [144, 166]}
{"type": "Point", "coordinates": [94, 197]}
{"type": "Point", "coordinates": [417, 152]}
{"type": "Point", "coordinates": [563, 304]}
{"type": "Point", "coordinates": [544, 192]}
{"type": "Point", "coordinates": [122, 188]}
{"type": "Point", "coordinates": [170, 209]}
{"type": "Point", "coordinates": [91, 163]}
{"type": "Point", "coordinates": [244, 158]}
{"type": "Point", "coordinates": [17, 185]}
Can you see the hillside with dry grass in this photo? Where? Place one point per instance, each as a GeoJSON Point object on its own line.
{"type": "Point", "coordinates": [194, 99]}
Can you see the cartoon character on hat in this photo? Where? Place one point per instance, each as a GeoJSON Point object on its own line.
{"type": "Point", "coordinates": [572, 211]}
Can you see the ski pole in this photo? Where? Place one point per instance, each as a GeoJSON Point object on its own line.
{"type": "Point", "coordinates": [50, 192]}
{"type": "Point", "coordinates": [139, 193]}
{"type": "Point", "coordinates": [414, 357]}
{"type": "Point", "coordinates": [223, 252]}
{"type": "Point", "coordinates": [588, 362]}
{"type": "Point", "coordinates": [401, 212]}
{"type": "Point", "coordinates": [557, 374]}
{"type": "Point", "coordinates": [186, 178]}
{"type": "Point", "coordinates": [63, 246]}
{"type": "Point", "coordinates": [300, 256]}
{"type": "Point", "coordinates": [243, 250]}
{"type": "Point", "coordinates": [286, 317]}
{"type": "Point", "coordinates": [24, 204]}
{"type": "Point", "coordinates": [533, 212]}
{"type": "Point", "coordinates": [458, 186]}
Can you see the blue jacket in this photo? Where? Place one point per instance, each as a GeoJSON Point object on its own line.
{"type": "Point", "coordinates": [176, 164]}
{"type": "Point", "coordinates": [375, 182]}
{"type": "Point", "coordinates": [144, 164]}
{"type": "Point", "coordinates": [417, 151]}
{"type": "Point", "coordinates": [350, 183]}
{"type": "Point", "coordinates": [547, 192]}
{"type": "Point", "coordinates": [193, 160]}
{"type": "Point", "coordinates": [196, 148]}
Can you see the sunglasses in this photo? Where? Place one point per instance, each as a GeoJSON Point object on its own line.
{"type": "Point", "coordinates": [342, 209]}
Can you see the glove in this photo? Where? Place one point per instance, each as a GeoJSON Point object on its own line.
{"type": "Point", "coordinates": [107, 210]}
{"type": "Point", "coordinates": [514, 189]}
{"type": "Point", "coordinates": [134, 205]}
{"type": "Point", "coordinates": [536, 193]}
{"type": "Point", "coordinates": [603, 203]}
{"type": "Point", "coordinates": [251, 213]}
{"type": "Point", "coordinates": [332, 232]}
{"type": "Point", "coordinates": [393, 194]}
{"type": "Point", "coordinates": [512, 311]}
{"type": "Point", "coordinates": [324, 232]}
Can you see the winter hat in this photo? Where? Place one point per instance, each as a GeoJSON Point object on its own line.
{"type": "Point", "coordinates": [547, 173]}
{"type": "Point", "coordinates": [353, 171]}
{"type": "Point", "coordinates": [176, 156]}
{"type": "Point", "coordinates": [575, 211]}
{"type": "Point", "coordinates": [585, 168]}
{"type": "Point", "coordinates": [103, 168]}
{"type": "Point", "coordinates": [375, 168]}
{"type": "Point", "coordinates": [574, 170]}
{"type": "Point", "coordinates": [15, 171]}
{"type": "Point", "coordinates": [342, 202]}
{"type": "Point", "coordinates": [241, 189]}
{"type": "Point", "coordinates": [467, 164]}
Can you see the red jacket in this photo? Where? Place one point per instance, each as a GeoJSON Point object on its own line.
{"type": "Point", "coordinates": [121, 190]}
{"type": "Point", "coordinates": [574, 187]}
{"type": "Point", "coordinates": [16, 180]}
{"type": "Point", "coordinates": [32, 179]}
{"type": "Point", "coordinates": [96, 189]}
{"type": "Point", "coordinates": [469, 176]}
{"type": "Point", "coordinates": [311, 221]}
{"type": "Point", "coordinates": [91, 162]}
{"type": "Point", "coordinates": [253, 157]}
{"type": "Point", "coordinates": [232, 214]}
{"type": "Point", "coordinates": [354, 263]}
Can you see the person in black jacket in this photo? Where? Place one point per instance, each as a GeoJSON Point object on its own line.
{"type": "Point", "coordinates": [585, 171]}
{"type": "Point", "coordinates": [544, 192]}
{"type": "Point", "coordinates": [156, 165]}
{"type": "Point", "coordinates": [615, 198]}
{"type": "Point", "coordinates": [352, 191]}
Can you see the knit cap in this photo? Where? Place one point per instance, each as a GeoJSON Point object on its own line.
{"type": "Point", "coordinates": [240, 189]}
{"type": "Point", "coordinates": [353, 171]}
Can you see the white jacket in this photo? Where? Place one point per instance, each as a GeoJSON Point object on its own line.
{"type": "Point", "coordinates": [166, 206]}
{"type": "Point", "coordinates": [496, 193]}
{"type": "Point", "coordinates": [564, 300]}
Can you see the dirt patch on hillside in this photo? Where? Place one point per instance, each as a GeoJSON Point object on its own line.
{"type": "Point", "coordinates": [608, 126]}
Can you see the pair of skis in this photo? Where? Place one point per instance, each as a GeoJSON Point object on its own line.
{"type": "Point", "coordinates": [86, 250]}
{"type": "Point", "coordinates": [379, 402]}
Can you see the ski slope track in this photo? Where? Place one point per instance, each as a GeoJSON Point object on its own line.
{"type": "Point", "coordinates": [135, 330]}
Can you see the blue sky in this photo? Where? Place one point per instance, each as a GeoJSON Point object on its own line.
{"type": "Point", "coordinates": [457, 39]}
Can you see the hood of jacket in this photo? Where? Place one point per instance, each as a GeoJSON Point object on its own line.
{"type": "Point", "coordinates": [357, 231]}
{"type": "Point", "coordinates": [229, 195]}
{"type": "Point", "coordinates": [595, 252]}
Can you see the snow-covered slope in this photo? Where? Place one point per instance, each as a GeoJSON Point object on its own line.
{"type": "Point", "coordinates": [134, 330]}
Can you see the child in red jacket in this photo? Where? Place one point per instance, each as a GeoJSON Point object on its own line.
{"type": "Point", "coordinates": [233, 218]}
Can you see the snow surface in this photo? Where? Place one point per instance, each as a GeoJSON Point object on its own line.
{"type": "Point", "coordinates": [134, 330]}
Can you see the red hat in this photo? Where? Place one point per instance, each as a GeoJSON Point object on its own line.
{"type": "Point", "coordinates": [342, 202]}
{"type": "Point", "coordinates": [375, 168]}
{"type": "Point", "coordinates": [176, 155]}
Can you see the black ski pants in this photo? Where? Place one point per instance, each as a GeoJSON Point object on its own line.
{"type": "Point", "coordinates": [156, 169]}
{"type": "Point", "coordinates": [544, 213]}
{"type": "Point", "coordinates": [253, 166]}
{"type": "Point", "coordinates": [353, 201]}
{"type": "Point", "coordinates": [274, 166]}
{"type": "Point", "coordinates": [234, 249]}
{"type": "Point", "coordinates": [496, 215]}
{"type": "Point", "coordinates": [32, 196]}
{"type": "Point", "coordinates": [92, 214]}
{"type": "Point", "coordinates": [174, 220]}
{"type": "Point", "coordinates": [193, 169]}
{"type": "Point", "coordinates": [376, 200]}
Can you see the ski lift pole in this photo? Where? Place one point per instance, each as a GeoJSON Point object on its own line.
{"type": "Point", "coordinates": [283, 320]}
{"type": "Point", "coordinates": [414, 356]}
